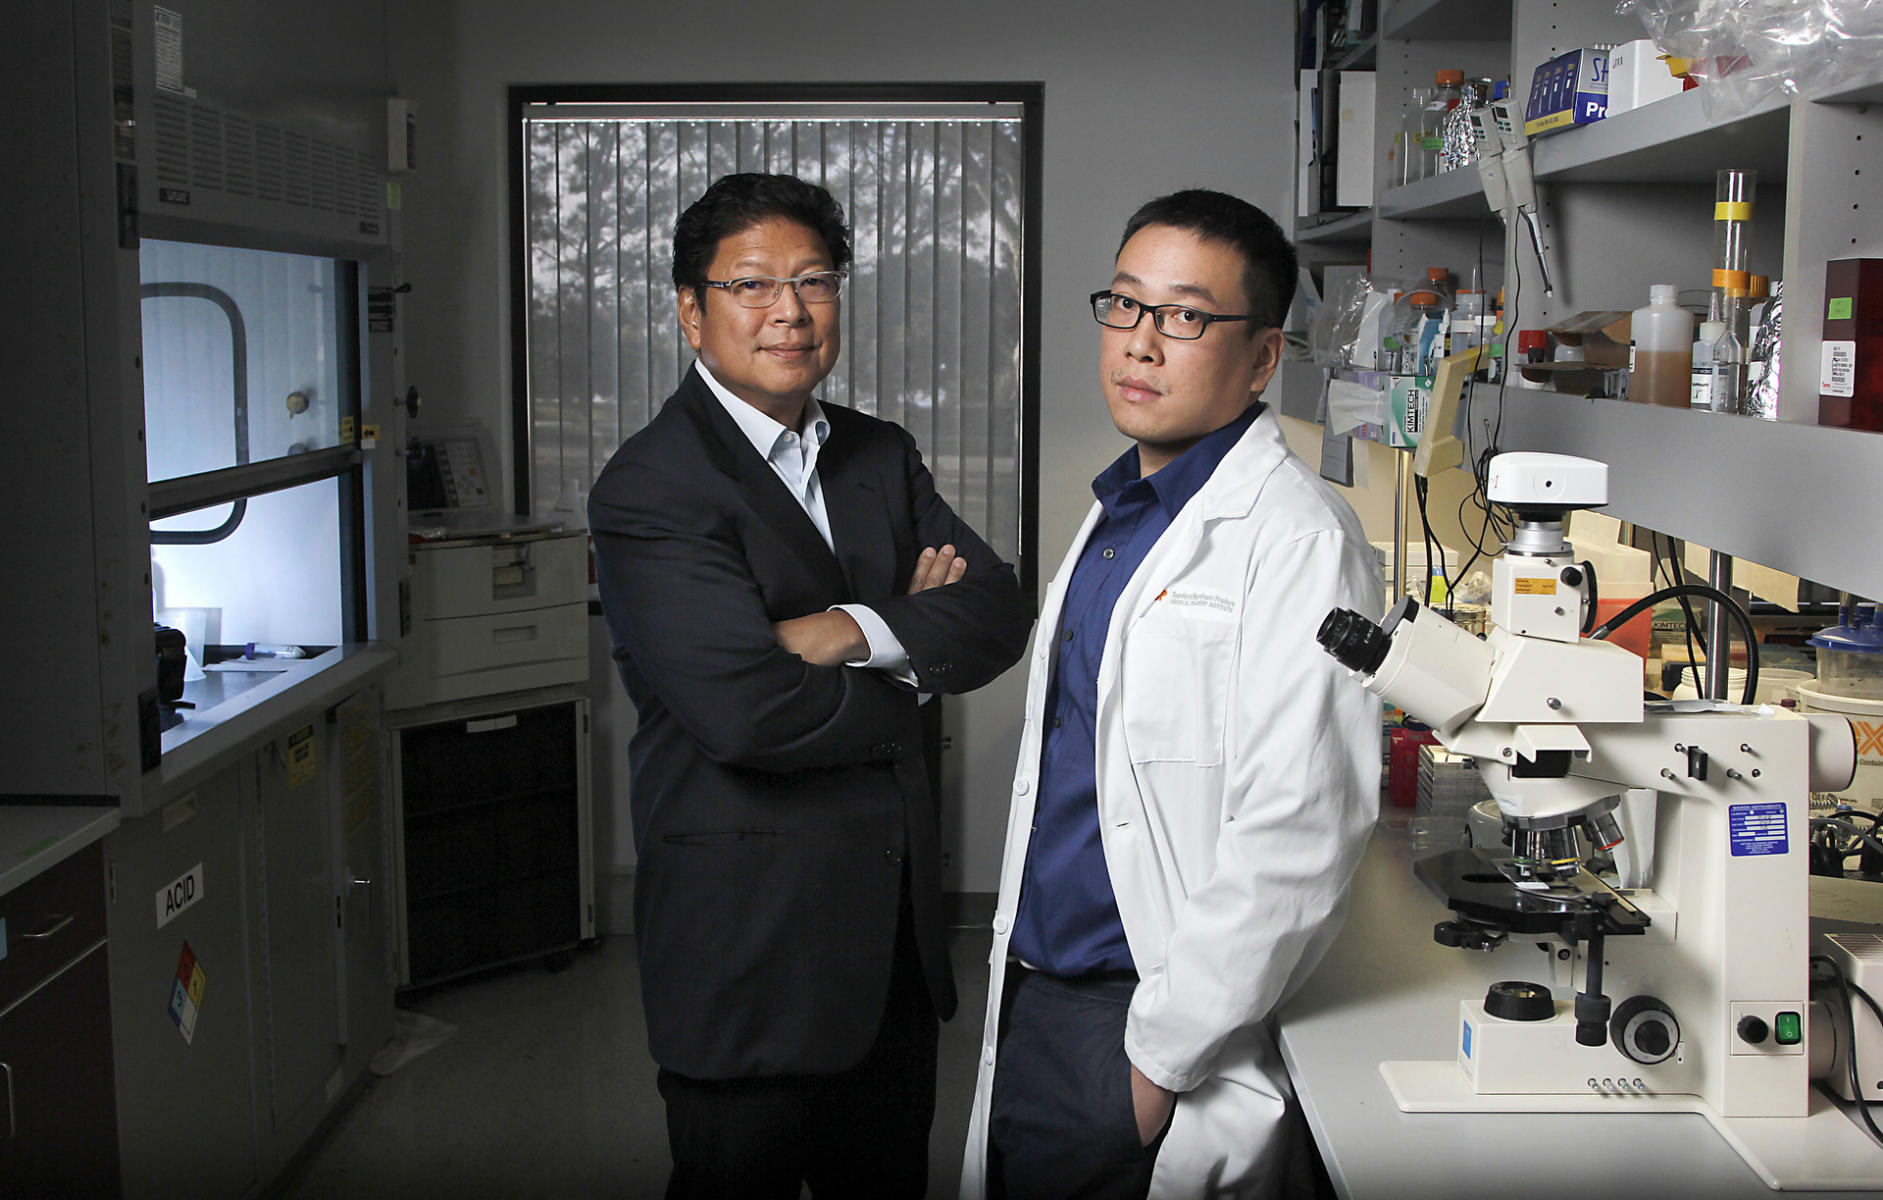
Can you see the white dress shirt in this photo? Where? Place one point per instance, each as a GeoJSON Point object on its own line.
{"type": "Point", "coordinates": [793, 456]}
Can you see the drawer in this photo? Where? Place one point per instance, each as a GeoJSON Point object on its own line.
{"type": "Point", "coordinates": [485, 655]}
{"type": "Point", "coordinates": [50, 920]}
{"type": "Point", "coordinates": [497, 577]}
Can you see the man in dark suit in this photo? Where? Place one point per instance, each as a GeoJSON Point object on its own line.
{"type": "Point", "coordinates": [783, 586]}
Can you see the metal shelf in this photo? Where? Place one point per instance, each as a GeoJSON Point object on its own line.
{"type": "Point", "coordinates": [1736, 484]}
{"type": "Point", "coordinates": [1353, 227]}
{"type": "Point", "coordinates": [1453, 195]}
{"type": "Point", "coordinates": [1446, 21]}
{"type": "Point", "coordinates": [1669, 141]}
{"type": "Point", "coordinates": [1360, 57]}
{"type": "Point", "coordinates": [1864, 91]}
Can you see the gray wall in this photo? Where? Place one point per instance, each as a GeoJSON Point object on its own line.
{"type": "Point", "coordinates": [1228, 69]}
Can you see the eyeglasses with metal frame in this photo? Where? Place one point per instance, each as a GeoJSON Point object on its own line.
{"type": "Point", "coordinates": [762, 291]}
{"type": "Point", "coordinates": [1180, 321]}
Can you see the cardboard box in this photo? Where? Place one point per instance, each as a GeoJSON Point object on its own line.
{"type": "Point", "coordinates": [1353, 148]}
{"type": "Point", "coordinates": [1570, 89]}
{"type": "Point", "coordinates": [1603, 336]}
{"type": "Point", "coordinates": [1638, 75]}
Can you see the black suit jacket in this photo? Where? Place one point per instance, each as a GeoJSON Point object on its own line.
{"type": "Point", "coordinates": [777, 804]}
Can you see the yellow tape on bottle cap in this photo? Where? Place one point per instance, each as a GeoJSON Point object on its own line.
{"type": "Point", "coordinates": [1732, 210]}
{"type": "Point", "coordinates": [1731, 279]}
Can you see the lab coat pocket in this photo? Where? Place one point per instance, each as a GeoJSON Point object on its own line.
{"type": "Point", "coordinates": [1174, 685]}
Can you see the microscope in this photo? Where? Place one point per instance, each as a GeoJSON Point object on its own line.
{"type": "Point", "coordinates": [1690, 995]}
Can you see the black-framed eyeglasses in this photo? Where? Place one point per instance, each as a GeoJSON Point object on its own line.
{"type": "Point", "coordinates": [1172, 320]}
{"type": "Point", "coordinates": [762, 291]}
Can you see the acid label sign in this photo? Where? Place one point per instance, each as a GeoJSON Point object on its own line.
{"type": "Point", "coordinates": [179, 895]}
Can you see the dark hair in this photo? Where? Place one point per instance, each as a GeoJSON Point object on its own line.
{"type": "Point", "coordinates": [735, 203]}
{"type": "Point", "coordinates": [1268, 258]}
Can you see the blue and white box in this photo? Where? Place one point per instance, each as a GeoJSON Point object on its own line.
{"type": "Point", "coordinates": [1570, 89]}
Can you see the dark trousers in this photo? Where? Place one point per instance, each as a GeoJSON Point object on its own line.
{"type": "Point", "coordinates": [861, 1133]}
{"type": "Point", "coordinates": [1062, 1126]}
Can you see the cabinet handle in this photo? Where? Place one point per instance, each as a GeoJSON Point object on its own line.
{"type": "Point", "coordinates": [13, 1124]}
{"type": "Point", "coordinates": [58, 923]}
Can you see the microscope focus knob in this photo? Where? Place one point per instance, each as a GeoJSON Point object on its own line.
{"type": "Point", "coordinates": [1644, 1029]}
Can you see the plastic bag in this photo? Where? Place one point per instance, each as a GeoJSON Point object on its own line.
{"type": "Point", "coordinates": [1749, 52]}
{"type": "Point", "coordinates": [1350, 307]}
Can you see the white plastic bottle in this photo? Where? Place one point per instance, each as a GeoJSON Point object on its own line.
{"type": "Point", "coordinates": [1660, 351]}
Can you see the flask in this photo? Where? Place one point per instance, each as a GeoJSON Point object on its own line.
{"type": "Point", "coordinates": [1660, 350]}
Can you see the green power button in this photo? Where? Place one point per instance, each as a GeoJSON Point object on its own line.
{"type": "Point", "coordinates": [1788, 1029]}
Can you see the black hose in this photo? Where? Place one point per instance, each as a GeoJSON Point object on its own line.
{"type": "Point", "coordinates": [1711, 593]}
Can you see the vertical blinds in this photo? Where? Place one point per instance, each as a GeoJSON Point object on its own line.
{"type": "Point", "coordinates": [931, 312]}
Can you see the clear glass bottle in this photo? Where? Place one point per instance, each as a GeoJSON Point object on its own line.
{"type": "Point", "coordinates": [1700, 393]}
{"type": "Point", "coordinates": [1447, 94]}
{"type": "Point", "coordinates": [1728, 393]}
{"type": "Point", "coordinates": [1409, 139]}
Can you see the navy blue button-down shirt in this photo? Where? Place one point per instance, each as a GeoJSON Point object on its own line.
{"type": "Point", "coordinates": [1067, 923]}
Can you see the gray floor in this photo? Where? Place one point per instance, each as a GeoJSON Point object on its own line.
{"type": "Point", "coordinates": [546, 1090]}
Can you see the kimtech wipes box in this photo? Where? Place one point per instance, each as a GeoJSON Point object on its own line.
{"type": "Point", "coordinates": [1570, 89]}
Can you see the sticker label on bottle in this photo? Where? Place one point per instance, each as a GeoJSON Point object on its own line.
{"type": "Point", "coordinates": [1837, 369]}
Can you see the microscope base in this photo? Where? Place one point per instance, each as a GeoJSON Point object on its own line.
{"type": "Point", "coordinates": [1825, 1150]}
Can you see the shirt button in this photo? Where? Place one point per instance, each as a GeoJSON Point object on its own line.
{"type": "Point", "coordinates": [987, 1055]}
{"type": "Point", "coordinates": [1110, 553]}
{"type": "Point", "coordinates": [1000, 923]}
{"type": "Point", "coordinates": [1020, 787]}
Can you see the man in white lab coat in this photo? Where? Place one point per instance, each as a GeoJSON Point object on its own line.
{"type": "Point", "coordinates": [1197, 778]}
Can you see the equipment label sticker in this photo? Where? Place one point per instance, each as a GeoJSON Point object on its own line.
{"type": "Point", "coordinates": [1535, 587]}
{"type": "Point", "coordinates": [1837, 373]}
{"type": "Point", "coordinates": [168, 26]}
{"type": "Point", "coordinates": [1756, 829]}
{"type": "Point", "coordinates": [301, 763]}
{"type": "Point", "coordinates": [186, 994]}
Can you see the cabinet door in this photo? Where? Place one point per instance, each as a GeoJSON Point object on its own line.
{"type": "Point", "coordinates": [184, 1062]}
{"type": "Point", "coordinates": [363, 834]}
{"type": "Point", "coordinates": [58, 1133]}
{"type": "Point", "coordinates": [297, 897]}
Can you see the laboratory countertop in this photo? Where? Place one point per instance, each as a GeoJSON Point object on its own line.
{"type": "Point", "coordinates": [1387, 991]}
{"type": "Point", "coordinates": [34, 837]}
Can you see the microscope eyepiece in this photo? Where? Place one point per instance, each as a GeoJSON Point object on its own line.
{"type": "Point", "coordinates": [1355, 642]}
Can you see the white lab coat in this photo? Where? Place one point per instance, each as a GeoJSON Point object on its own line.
{"type": "Point", "coordinates": [1238, 779]}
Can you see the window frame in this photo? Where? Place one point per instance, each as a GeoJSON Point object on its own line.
{"type": "Point", "coordinates": [1031, 96]}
